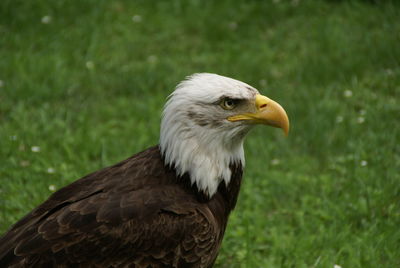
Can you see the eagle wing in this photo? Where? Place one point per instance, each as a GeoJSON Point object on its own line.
{"type": "Point", "coordinates": [90, 223]}
{"type": "Point", "coordinates": [116, 230]}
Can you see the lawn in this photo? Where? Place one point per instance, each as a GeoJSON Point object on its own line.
{"type": "Point", "coordinates": [83, 83]}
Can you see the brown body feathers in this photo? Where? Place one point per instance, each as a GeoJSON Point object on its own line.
{"type": "Point", "coordinates": [137, 213]}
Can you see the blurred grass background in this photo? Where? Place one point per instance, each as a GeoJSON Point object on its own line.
{"type": "Point", "coordinates": [83, 83]}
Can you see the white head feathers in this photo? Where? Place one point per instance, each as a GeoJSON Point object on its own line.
{"type": "Point", "coordinates": [196, 137]}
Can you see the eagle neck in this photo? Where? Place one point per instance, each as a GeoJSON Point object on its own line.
{"type": "Point", "coordinates": [205, 155]}
{"type": "Point", "coordinates": [230, 191]}
{"type": "Point", "coordinates": [224, 199]}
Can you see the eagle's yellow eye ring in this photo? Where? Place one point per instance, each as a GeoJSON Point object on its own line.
{"type": "Point", "coordinates": [228, 103]}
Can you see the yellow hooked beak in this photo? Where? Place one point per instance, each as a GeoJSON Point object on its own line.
{"type": "Point", "coordinates": [268, 112]}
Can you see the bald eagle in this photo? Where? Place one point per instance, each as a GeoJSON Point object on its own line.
{"type": "Point", "coordinates": [167, 206]}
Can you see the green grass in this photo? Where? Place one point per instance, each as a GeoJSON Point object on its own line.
{"type": "Point", "coordinates": [88, 89]}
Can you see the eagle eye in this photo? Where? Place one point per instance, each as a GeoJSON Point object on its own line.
{"type": "Point", "coordinates": [228, 103]}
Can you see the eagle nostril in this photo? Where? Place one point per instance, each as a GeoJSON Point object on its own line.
{"type": "Point", "coordinates": [263, 106]}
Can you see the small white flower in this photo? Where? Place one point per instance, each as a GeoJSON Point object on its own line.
{"type": "Point", "coordinates": [363, 163]}
{"type": "Point", "coordinates": [295, 2]}
{"type": "Point", "coordinates": [337, 266]}
{"type": "Point", "coordinates": [46, 19]}
{"type": "Point", "coordinates": [52, 187]}
{"type": "Point", "coordinates": [50, 170]}
{"type": "Point", "coordinates": [275, 162]}
{"type": "Point", "coordinates": [276, 73]}
{"type": "Point", "coordinates": [1, 83]}
{"type": "Point", "coordinates": [24, 163]}
{"type": "Point", "coordinates": [35, 149]}
{"type": "Point", "coordinates": [262, 82]}
{"type": "Point", "coordinates": [90, 65]}
{"type": "Point", "coordinates": [152, 58]}
{"type": "Point", "coordinates": [348, 93]}
{"type": "Point", "coordinates": [233, 25]}
{"type": "Point", "coordinates": [360, 120]}
{"type": "Point", "coordinates": [136, 18]}
{"type": "Point", "coordinates": [339, 119]}
{"type": "Point", "coordinates": [389, 72]}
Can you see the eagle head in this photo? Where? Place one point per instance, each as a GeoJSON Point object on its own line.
{"type": "Point", "coordinates": [204, 124]}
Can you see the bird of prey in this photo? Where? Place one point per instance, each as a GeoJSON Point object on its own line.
{"type": "Point", "coordinates": [166, 206]}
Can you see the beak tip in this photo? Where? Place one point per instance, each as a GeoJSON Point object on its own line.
{"type": "Point", "coordinates": [287, 133]}
{"type": "Point", "coordinates": [286, 130]}
{"type": "Point", "coordinates": [285, 125]}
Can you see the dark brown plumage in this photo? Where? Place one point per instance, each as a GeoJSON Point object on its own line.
{"type": "Point", "coordinates": [131, 214]}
